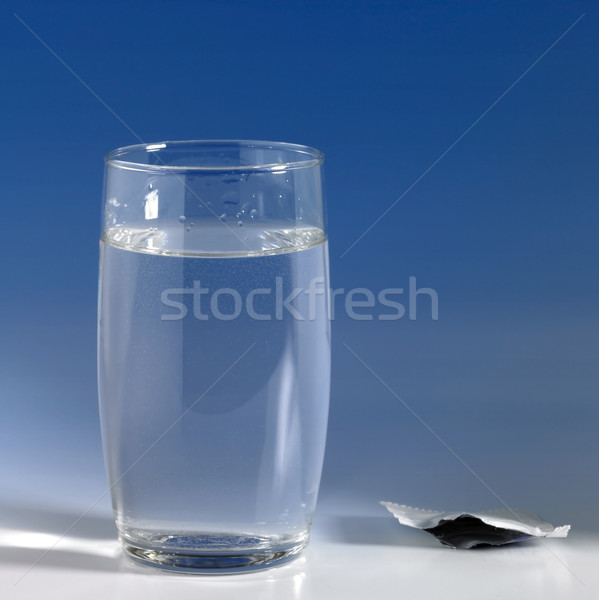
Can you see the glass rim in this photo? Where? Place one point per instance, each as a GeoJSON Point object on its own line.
{"type": "Point", "coordinates": [118, 157]}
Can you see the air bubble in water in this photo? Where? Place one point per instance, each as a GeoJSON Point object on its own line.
{"type": "Point", "coordinates": [253, 213]}
{"type": "Point", "coordinates": [181, 219]}
{"type": "Point", "coordinates": [240, 223]}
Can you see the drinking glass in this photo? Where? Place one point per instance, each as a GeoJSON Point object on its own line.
{"type": "Point", "coordinates": [214, 350]}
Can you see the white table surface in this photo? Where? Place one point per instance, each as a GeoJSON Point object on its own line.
{"type": "Point", "coordinates": [353, 554]}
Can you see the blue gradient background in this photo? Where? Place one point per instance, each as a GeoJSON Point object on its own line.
{"type": "Point", "coordinates": [504, 227]}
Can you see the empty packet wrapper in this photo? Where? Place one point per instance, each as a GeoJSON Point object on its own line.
{"type": "Point", "coordinates": [471, 529]}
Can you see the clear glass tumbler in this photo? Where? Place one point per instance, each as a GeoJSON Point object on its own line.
{"type": "Point", "coordinates": [214, 350]}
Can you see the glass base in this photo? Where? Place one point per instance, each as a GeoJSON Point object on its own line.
{"type": "Point", "coordinates": [212, 554]}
